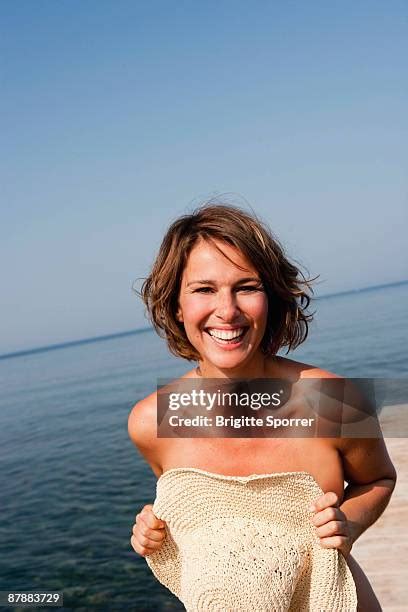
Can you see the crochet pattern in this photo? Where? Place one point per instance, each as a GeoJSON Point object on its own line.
{"type": "Point", "coordinates": [246, 544]}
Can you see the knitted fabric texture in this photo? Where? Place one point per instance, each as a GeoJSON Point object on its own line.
{"type": "Point", "coordinates": [246, 544]}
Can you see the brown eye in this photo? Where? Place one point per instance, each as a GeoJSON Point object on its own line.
{"type": "Point", "coordinates": [203, 290]}
{"type": "Point", "coordinates": [249, 288]}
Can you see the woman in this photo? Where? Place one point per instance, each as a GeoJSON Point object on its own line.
{"type": "Point", "coordinates": [224, 294]}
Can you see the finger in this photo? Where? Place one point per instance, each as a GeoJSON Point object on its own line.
{"type": "Point", "coordinates": [332, 528]}
{"type": "Point", "coordinates": [146, 511]}
{"type": "Point", "coordinates": [146, 542]}
{"type": "Point", "coordinates": [147, 524]}
{"type": "Point", "coordinates": [152, 535]}
{"type": "Point", "coordinates": [327, 515]}
{"type": "Point", "coordinates": [337, 541]}
{"type": "Point", "coordinates": [150, 519]}
{"type": "Point", "coordinates": [328, 499]}
{"type": "Point", "coordinates": [141, 550]}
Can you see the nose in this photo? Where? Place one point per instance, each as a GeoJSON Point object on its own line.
{"type": "Point", "coordinates": [227, 308]}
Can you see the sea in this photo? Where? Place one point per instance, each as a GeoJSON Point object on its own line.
{"type": "Point", "coordinates": [71, 481]}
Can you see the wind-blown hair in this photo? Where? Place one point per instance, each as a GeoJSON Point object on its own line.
{"type": "Point", "coordinates": [286, 287]}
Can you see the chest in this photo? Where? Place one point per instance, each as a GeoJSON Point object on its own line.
{"type": "Point", "coordinates": [242, 457]}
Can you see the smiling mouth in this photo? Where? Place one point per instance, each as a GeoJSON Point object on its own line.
{"type": "Point", "coordinates": [230, 336]}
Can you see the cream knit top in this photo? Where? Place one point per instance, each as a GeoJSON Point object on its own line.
{"type": "Point", "coordinates": [246, 544]}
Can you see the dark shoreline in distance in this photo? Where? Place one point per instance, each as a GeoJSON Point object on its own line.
{"type": "Point", "coordinates": [362, 290]}
{"type": "Point", "coordinates": [54, 347]}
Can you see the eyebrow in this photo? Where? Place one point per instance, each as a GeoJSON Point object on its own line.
{"type": "Point", "coordinates": [248, 279]}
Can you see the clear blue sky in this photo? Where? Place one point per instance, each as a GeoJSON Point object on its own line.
{"type": "Point", "coordinates": [118, 116]}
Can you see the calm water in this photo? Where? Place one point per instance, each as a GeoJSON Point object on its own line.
{"type": "Point", "coordinates": [71, 482]}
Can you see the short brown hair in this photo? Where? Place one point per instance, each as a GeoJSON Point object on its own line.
{"type": "Point", "coordinates": [285, 285]}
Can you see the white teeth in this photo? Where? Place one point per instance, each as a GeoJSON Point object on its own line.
{"type": "Point", "coordinates": [226, 335]}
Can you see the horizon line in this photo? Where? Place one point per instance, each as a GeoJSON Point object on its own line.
{"type": "Point", "coordinates": [140, 330]}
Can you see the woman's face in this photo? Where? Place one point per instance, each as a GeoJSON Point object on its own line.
{"type": "Point", "coordinates": [224, 309]}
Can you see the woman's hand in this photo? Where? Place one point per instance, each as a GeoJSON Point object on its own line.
{"type": "Point", "coordinates": [148, 532]}
{"type": "Point", "coordinates": [331, 524]}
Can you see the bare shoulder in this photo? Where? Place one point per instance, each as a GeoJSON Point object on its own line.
{"type": "Point", "coordinates": [298, 369]}
{"type": "Point", "coordinates": [310, 371]}
{"type": "Point", "coordinates": [142, 429]}
{"type": "Point", "coordinates": [365, 459]}
{"type": "Point", "coordinates": [142, 421]}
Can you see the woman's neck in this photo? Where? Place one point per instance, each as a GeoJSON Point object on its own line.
{"type": "Point", "coordinates": [258, 368]}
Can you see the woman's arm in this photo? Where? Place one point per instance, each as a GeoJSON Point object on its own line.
{"type": "Point", "coordinates": [148, 532]}
{"type": "Point", "coordinates": [371, 479]}
{"type": "Point", "coordinates": [367, 468]}
{"type": "Point", "coordinates": [142, 429]}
